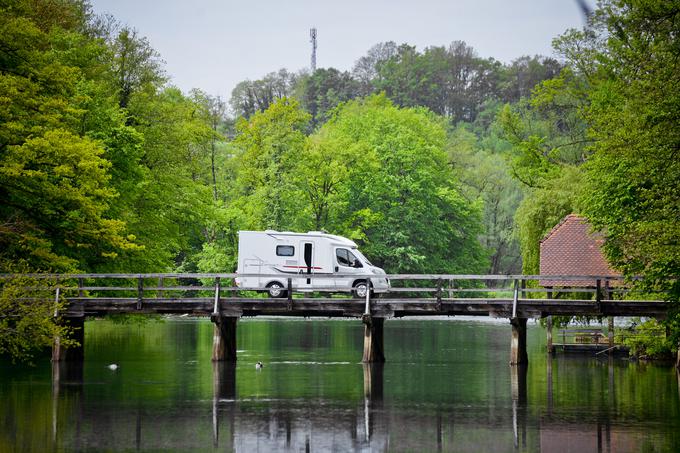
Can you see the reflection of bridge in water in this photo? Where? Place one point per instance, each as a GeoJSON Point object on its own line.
{"type": "Point", "coordinates": [517, 298]}
{"type": "Point", "coordinates": [248, 423]}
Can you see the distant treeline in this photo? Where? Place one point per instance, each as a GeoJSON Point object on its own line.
{"type": "Point", "coordinates": [450, 81]}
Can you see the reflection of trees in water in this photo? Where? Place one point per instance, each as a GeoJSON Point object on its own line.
{"type": "Point", "coordinates": [375, 422]}
{"type": "Point", "coordinates": [446, 386]}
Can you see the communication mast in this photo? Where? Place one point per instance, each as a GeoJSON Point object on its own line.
{"type": "Point", "coordinates": [312, 39]}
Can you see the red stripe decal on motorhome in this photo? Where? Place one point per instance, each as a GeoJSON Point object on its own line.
{"type": "Point", "coordinates": [303, 267]}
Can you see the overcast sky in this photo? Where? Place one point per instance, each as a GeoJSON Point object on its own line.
{"type": "Point", "coordinates": [214, 44]}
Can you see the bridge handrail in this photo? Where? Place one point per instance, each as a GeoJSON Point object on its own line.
{"type": "Point", "coordinates": [389, 276]}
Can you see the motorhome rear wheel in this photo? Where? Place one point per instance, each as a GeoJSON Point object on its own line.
{"type": "Point", "coordinates": [275, 290]}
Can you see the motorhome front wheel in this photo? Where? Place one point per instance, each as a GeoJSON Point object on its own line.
{"type": "Point", "coordinates": [360, 289]}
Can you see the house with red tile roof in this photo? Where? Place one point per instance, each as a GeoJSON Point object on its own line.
{"type": "Point", "coordinates": [571, 248]}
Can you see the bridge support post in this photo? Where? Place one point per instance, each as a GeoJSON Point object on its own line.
{"type": "Point", "coordinates": [373, 339]}
{"type": "Point", "coordinates": [518, 345]}
{"type": "Point", "coordinates": [73, 353]}
{"type": "Point", "coordinates": [224, 338]}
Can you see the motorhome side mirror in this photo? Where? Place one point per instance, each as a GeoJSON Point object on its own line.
{"type": "Point", "coordinates": [358, 264]}
{"type": "Point", "coordinates": [337, 268]}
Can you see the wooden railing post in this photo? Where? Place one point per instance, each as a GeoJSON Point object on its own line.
{"type": "Point", "coordinates": [515, 295]}
{"type": "Point", "coordinates": [549, 330]}
{"type": "Point", "coordinates": [367, 307]}
{"type": "Point", "coordinates": [81, 285]}
{"type": "Point", "coordinates": [56, 302]}
{"type": "Point", "coordinates": [140, 291]}
{"type": "Point", "coordinates": [290, 293]}
{"type": "Point", "coordinates": [598, 293]}
{"type": "Point", "coordinates": [549, 327]}
{"type": "Point", "coordinates": [439, 294]}
{"type": "Point", "coordinates": [216, 306]}
{"type": "Point", "coordinates": [160, 285]}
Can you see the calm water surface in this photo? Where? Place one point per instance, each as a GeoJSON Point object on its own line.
{"type": "Point", "coordinates": [446, 386]}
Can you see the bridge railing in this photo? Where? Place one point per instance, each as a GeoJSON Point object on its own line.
{"type": "Point", "coordinates": [437, 287]}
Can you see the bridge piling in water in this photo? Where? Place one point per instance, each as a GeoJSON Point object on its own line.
{"type": "Point", "coordinates": [61, 352]}
{"type": "Point", "coordinates": [373, 339]}
{"type": "Point", "coordinates": [224, 338]}
{"type": "Point", "coordinates": [518, 346]}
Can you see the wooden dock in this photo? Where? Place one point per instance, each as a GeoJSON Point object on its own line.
{"type": "Point", "coordinates": [516, 297]}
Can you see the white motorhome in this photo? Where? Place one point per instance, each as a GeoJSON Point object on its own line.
{"type": "Point", "coordinates": [314, 261]}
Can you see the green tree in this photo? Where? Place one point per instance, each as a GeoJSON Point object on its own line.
{"type": "Point", "coordinates": [366, 68]}
{"type": "Point", "coordinates": [269, 144]}
{"type": "Point", "coordinates": [453, 81]}
{"type": "Point", "coordinates": [518, 79]}
{"type": "Point", "coordinates": [402, 201]}
{"type": "Point", "coordinates": [249, 97]}
{"type": "Point", "coordinates": [633, 180]}
{"type": "Point", "coordinates": [549, 142]}
{"type": "Point", "coordinates": [55, 187]}
{"type": "Point", "coordinates": [174, 199]}
{"type": "Point", "coordinates": [482, 168]}
{"type": "Point", "coordinates": [136, 65]}
{"type": "Point", "coordinates": [324, 90]}
{"type": "Point", "coordinates": [28, 323]}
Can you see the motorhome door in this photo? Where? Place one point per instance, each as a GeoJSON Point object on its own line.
{"type": "Point", "coordinates": [307, 265]}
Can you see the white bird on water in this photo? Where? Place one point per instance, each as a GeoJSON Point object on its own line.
{"type": "Point", "coordinates": [113, 367]}
{"type": "Point", "coordinates": [258, 366]}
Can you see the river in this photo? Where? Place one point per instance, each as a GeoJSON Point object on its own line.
{"type": "Point", "coordinates": [446, 386]}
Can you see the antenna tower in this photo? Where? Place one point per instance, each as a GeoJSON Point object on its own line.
{"type": "Point", "coordinates": [312, 39]}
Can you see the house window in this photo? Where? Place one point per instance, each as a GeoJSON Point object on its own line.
{"type": "Point", "coordinates": [285, 250]}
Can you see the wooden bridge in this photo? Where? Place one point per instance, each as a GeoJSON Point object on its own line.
{"type": "Point", "coordinates": [516, 297]}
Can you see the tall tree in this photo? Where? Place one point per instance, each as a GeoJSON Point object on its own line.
{"type": "Point", "coordinates": [324, 90]}
{"type": "Point", "coordinates": [366, 69]}
{"type": "Point", "coordinates": [55, 183]}
{"type": "Point", "coordinates": [519, 78]}
{"type": "Point", "coordinates": [250, 97]}
{"type": "Point", "coordinates": [213, 109]}
{"type": "Point", "coordinates": [269, 144]}
{"type": "Point", "coordinates": [630, 53]}
{"type": "Point", "coordinates": [482, 168]}
{"type": "Point", "coordinates": [401, 199]}
{"type": "Point", "coordinates": [136, 64]}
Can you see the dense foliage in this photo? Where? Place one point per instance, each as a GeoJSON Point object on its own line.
{"type": "Point", "coordinates": [433, 161]}
{"type": "Point", "coordinates": [602, 139]}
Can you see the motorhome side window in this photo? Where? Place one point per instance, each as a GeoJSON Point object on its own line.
{"type": "Point", "coordinates": [347, 258]}
{"type": "Point", "coordinates": [285, 250]}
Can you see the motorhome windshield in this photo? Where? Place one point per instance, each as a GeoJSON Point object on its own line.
{"type": "Point", "coordinates": [361, 256]}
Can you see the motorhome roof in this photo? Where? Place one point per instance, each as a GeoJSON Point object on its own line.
{"type": "Point", "coordinates": [338, 239]}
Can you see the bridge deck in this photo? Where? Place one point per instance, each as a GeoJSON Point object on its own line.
{"type": "Point", "coordinates": [517, 297]}
{"type": "Point", "coordinates": [380, 307]}
{"type": "Point", "coordinates": [510, 296]}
